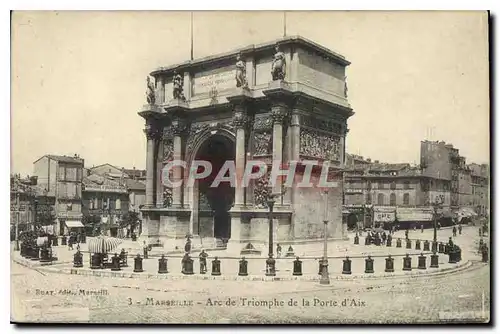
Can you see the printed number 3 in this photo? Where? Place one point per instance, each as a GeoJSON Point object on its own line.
{"type": "Point", "coordinates": [129, 301]}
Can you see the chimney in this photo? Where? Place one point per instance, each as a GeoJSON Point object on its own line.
{"type": "Point", "coordinates": [376, 161]}
{"type": "Point", "coordinates": [369, 159]}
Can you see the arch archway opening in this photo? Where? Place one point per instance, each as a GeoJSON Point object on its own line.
{"type": "Point", "coordinates": [216, 200]}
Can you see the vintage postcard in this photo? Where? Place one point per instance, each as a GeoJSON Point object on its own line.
{"type": "Point", "coordinates": [261, 167]}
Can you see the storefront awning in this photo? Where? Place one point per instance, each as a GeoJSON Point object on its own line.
{"type": "Point", "coordinates": [73, 223]}
{"type": "Point", "coordinates": [414, 214]}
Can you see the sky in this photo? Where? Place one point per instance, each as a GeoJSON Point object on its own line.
{"type": "Point", "coordinates": [78, 78]}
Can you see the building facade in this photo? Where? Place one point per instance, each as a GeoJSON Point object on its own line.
{"type": "Point", "coordinates": [106, 199]}
{"type": "Point", "coordinates": [480, 188]}
{"type": "Point", "coordinates": [60, 177]}
{"type": "Point", "coordinates": [282, 101]}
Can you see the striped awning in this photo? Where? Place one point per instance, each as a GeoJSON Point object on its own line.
{"type": "Point", "coordinates": [73, 223]}
{"type": "Point", "coordinates": [103, 244]}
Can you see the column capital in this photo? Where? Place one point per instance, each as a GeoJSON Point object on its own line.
{"type": "Point", "coordinates": [279, 112]}
{"type": "Point", "coordinates": [152, 131]}
{"type": "Point", "coordinates": [178, 126]}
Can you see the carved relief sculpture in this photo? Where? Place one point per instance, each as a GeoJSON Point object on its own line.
{"type": "Point", "coordinates": [168, 150]}
{"type": "Point", "coordinates": [178, 84]}
{"type": "Point", "coordinates": [261, 191]}
{"type": "Point", "coordinates": [278, 67]}
{"type": "Point", "coordinates": [262, 143]}
{"type": "Point", "coordinates": [167, 197]}
{"type": "Point", "coordinates": [150, 92]}
{"type": "Point", "coordinates": [313, 144]}
{"type": "Point", "coordinates": [241, 73]}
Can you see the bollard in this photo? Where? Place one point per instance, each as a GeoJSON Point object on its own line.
{"type": "Point", "coordinates": [138, 264]}
{"type": "Point", "coordinates": [484, 254]}
{"type": "Point", "coordinates": [458, 253]}
{"type": "Point", "coordinates": [451, 255]}
{"type": "Point", "coordinates": [243, 267]}
{"type": "Point", "coordinates": [35, 254]}
{"type": "Point", "coordinates": [441, 248]}
{"type": "Point", "coordinates": [408, 243]}
{"type": "Point", "coordinates": [44, 255]}
{"type": "Point", "coordinates": [369, 265]}
{"type": "Point", "coordinates": [356, 239]}
{"type": "Point", "coordinates": [389, 265]}
{"type": "Point", "coordinates": [320, 266]}
{"type": "Point", "coordinates": [95, 261]}
{"type": "Point", "coordinates": [188, 266]}
{"type": "Point", "coordinates": [407, 263]}
{"type": "Point", "coordinates": [28, 251]}
{"type": "Point", "coordinates": [417, 245]}
{"type": "Point", "coordinates": [162, 265]}
{"type": "Point", "coordinates": [346, 267]}
{"type": "Point", "coordinates": [64, 241]}
{"type": "Point", "coordinates": [115, 263]}
{"type": "Point", "coordinates": [389, 241]}
{"type": "Point", "coordinates": [216, 267]}
{"type": "Point", "coordinates": [297, 267]}
{"type": "Point", "coordinates": [398, 243]}
{"type": "Point", "coordinates": [421, 262]}
{"type": "Point", "coordinates": [434, 260]}
{"type": "Point", "coordinates": [78, 260]}
{"type": "Point", "coordinates": [270, 266]}
{"type": "Point", "coordinates": [426, 246]}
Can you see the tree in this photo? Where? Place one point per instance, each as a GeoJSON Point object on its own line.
{"type": "Point", "coordinates": [130, 220]}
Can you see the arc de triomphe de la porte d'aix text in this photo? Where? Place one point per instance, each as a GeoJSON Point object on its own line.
{"type": "Point", "coordinates": [286, 101]}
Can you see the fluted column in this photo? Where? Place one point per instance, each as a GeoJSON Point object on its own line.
{"type": "Point", "coordinates": [151, 133]}
{"type": "Point", "coordinates": [178, 128]}
{"type": "Point", "coordinates": [240, 120]}
{"type": "Point", "coordinates": [278, 112]}
{"type": "Point", "coordinates": [159, 167]}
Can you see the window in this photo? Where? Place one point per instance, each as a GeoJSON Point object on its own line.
{"type": "Point", "coordinates": [407, 185]}
{"type": "Point", "coordinates": [62, 173]}
{"type": "Point", "coordinates": [381, 185]}
{"type": "Point", "coordinates": [368, 198]}
{"type": "Point", "coordinates": [406, 199]}
{"type": "Point", "coordinates": [393, 185]}
{"type": "Point", "coordinates": [393, 199]}
{"type": "Point", "coordinates": [118, 204]}
{"type": "Point", "coordinates": [380, 199]}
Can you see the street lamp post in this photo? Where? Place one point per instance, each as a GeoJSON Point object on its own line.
{"type": "Point", "coordinates": [270, 262]}
{"type": "Point", "coordinates": [435, 206]}
{"type": "Point", "coordinates": [325, 277]}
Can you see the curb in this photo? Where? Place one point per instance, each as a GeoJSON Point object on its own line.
{"type": "Point", "coordinates": [308, 278]}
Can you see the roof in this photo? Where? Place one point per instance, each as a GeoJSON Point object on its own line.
{"type": "Point", "coordinates": [135, 172]}
{"type": "Point", "coordinates": [298, 40]}
{"type": "Point", "coordinates": [383, 167]}
{"type": "Point", "coordinates": [62, 158]}
{"type": "Point", "coordinates": [135, 185]}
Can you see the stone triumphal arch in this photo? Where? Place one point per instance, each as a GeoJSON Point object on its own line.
{"type": "Point", "coordinates": [280, 101]}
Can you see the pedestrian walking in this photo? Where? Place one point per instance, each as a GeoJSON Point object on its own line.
{"type": "Point", "coordinates": [278, 250]}
{"type": "Point", "coordinates": [70, 243]}
{"type": "Point", "coordinates": [203, 261]}
{"type": "Point", "coordinates": [460, 229]}
{"type": "Point", "coordinates": [406, 234]}
{"type": "Point", "coordinates": [454, 231]}
{"type": "Point", "coordinates": [421, 228]}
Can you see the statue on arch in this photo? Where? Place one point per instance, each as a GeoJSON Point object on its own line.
{"type": "Point", "coordinates": [241, 72]}
{"type": "Point", "coordinates": [150, 93]}
{"type": "Point", "coordinates": [278, 67]}
{"type": "Point", "coordinates": [178, 83]}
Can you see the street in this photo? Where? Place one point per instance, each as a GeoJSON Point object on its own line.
{"type": "Point", "coordinates": [39, 296]}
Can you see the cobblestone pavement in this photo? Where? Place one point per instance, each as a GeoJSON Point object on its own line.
{"type": "Point", "coordinates": [122, 300]}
